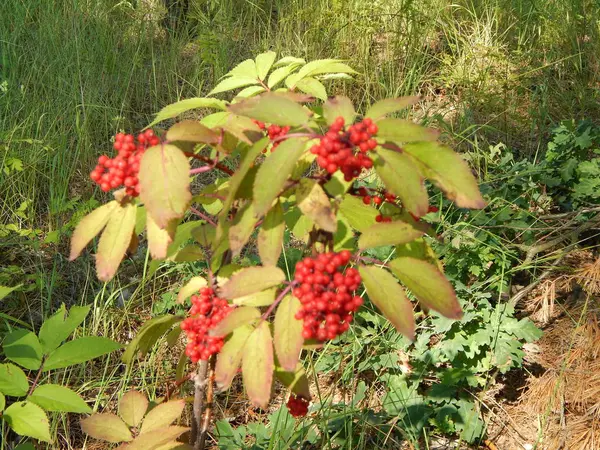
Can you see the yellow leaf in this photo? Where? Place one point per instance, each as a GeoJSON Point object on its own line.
{"type": "Point", "coordinates": [288, 333]}
{"type": "Point", "coordinates": [257, 365]}
{"type": "Point", "coordinates": [314, 203]}
{"type": "Point", "coordinates": [89, 227]}
{"type": "Point", "coordinates": [115, 241]}
{"type": "Point", "coordinates": [159, 239]}
{"type": "Point", "coordinates": [132, 407]}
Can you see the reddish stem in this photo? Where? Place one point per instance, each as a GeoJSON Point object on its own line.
{"type": "Point", "coordinates": [280, 297]}
{"type": "Point", "coordinates": [294, 135]}
{"type": "Point", "coordinates": [203, 216]}
{"type": "Point", "coordinates": [206, 159]}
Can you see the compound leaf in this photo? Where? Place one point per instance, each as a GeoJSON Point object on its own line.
{"type": "Point", "coordinates": [264, 62]}
{"type": "Point", "coordinates": [273, 108]}
{"type": "Point", "coordinates": [89, 227]}
{"type": "Point", "coordinates": [257, 365]}
{"type": "Point", "coordinates": [58, 327]}
{"type": "Point", "coordinates": [288, 338]}
{"type": "Point", "coordinates": [115, 240]}
{"type": "Point", "coordinates": [177, 108]}
{"type": "Point", "coordinates": [132, 407]}
{"type": "Point", "coordinates": [162, 415]}
{"type": "Point", "coordinates": [107, 427]}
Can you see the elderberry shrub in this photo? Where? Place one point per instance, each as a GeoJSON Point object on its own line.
{"type": "Point", "coordinates": [206, 312]}
{"type": "Point", "coordinates": [326, 292]}
{"type": "Point", "coordinates": [123, 169]}
{"type": "Point", "coordinates": [297, 405]}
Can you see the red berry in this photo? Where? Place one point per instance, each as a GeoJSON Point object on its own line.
{"type": "Point", "coordinates": [377, 200]}
{"type": "Point", "coordinates": [367, 200]}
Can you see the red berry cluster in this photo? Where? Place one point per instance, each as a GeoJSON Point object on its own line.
{"type": "Point", "coordinates": [337, 149]}
{"type": "Point", "coordinates": [431, 209]}
{"type": "Point", "coordinates": [325, 290]}
{"type": "Point", "coordinates": [273, 131]}
{"type": "Point", "coordinates": [123, 169]}
{"type": "Point", "coordinates": [377, 200]}
{"type": "Point", "coordinates": [206, 312]}
{"type": "Point", "coordinates": [297, 405]}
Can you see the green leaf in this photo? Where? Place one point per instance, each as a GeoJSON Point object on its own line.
{"type": "Point", "coordinates": [23, 347]}
{"type": "Point", "coordinates": [391, 233]}
{"type": "Point", "coordinates": [257, 365]}
{"type": "Point", "coordinates": [191, 287]}
{"type": "Point", "coordinates": [264, 61]}
{"type": "Point", "coordinates": [5, 290]}
{"type": "Point", "coordinates": [165, 183]}
{"type": "Point", "coordinates": [90, 226]}
{"type": "Point", "coordinates": [428, 284]}
{"type": "Point", "coordinates": [449, 172]}
{"type": "Point", "coordinates": [273, 108]}
{"type": "Point", "coordinates": [270, 236]}
{"type": "Point", "coordinates": [231, 83]}
{"type": "Point", "coordinates": [321, 66]}
{"type": "Point", "coordinates": [359, 216]}
{"type": "Point", "coordinates": [28, 419]}
{"type": "Point", "coordinates": [314, 203]}
{"type": "Point", "coordinates": [250, 91]}
{"type": "Point", "coordinates": [80, 350]}
{"type": "Point", "coordinates": [403, 178]}
{"type": "Point", "coordinates": [57, 328]}
{"type": "Point", "coordinates": [246, 68]}
{"type": "Point", "coordinates": [156, 439]}
{"type": "Point", "coordinates": [149, 333]}
{"type": "Point", "coordinates": [230, 356]}
{"type": "Point", "coordinates": [380, 109]}
{"type": "Point", "coordinates": [401, 131]}
{"type": "Point", "coordinates": [288, 333]}
{"type": "Point", "coordinates": [262, 298]}
{"type": "Point", "coordinates": [25, 446]}
{"type": "Point", "coordinates": [162, 415]}
{"type": "Point", "coordinates": [276, 170]}
{"type": "Point", "coordinates": [241, 229]}
{"type": "Point", "coordinates": [53, 397]}
{"type": "Point", "coordinates": [192, 131]}
{"type": "Point", "coordinates": [177, 108]}
{"type": "Point", "coordinates": [286, 60]}
{"type": "Point", "coordinates": [106, 427]}
{"type": "Point", "coordinates": [2, 402]}
{"type": "Point", "coordinates": [13, 381]}
{"type": "Point", "coordinates": [278, 75]}
{"type": "Point", "coordinates": [295, 380]}
{"type": "Point", "coordinates": [159, 239]}
{"type": "Point", "coordinates": [250, 280]}
{"type": "Point", "coordinates": [235, 319]}
{"type": "Point", "coordinates": [337, 186]}
{"type": "Point", "coordinates": [312, 86]}
{"type": "Point", "coordinates": [339, 106]}
{"type": "Point", "coordinates": [132, 407]}
{"type": "Point", "coordinates": [389, 297]}
{"type": "Point", "coordinates": [189, 253]}
{"type": "Point", "coordinates": [114, 241]}
{"type": "Point", "coordinates": [472, 425]}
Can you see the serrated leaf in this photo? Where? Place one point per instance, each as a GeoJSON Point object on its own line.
{"type": "Point", "coordinates": [192, 131]}
{"type": "Point", "coordinates": [28, 419]}
{"type": "Point", "coordinates": [235, 319]}
{"type": "Point", "coordinates": [23, 347]}
{"type": "Point", "coordinates": [389, 297]}
{"type": "Point", "coordinates": [177, 108]}
{"type": "Point", "coordinates": [312, 86]}
{"type": "Point", "coordinates": [276, 169]}
{"type": "Point", "coordinates": [295, 380]}
{"type": "Point", "coordinates": [90, 226]}
{"type": "Point", "coordinates": [58, 327]}
{"type": "Point", "coordinates": [250, 91]}
{"type": "Point", "coordinates": [263, 298]}
{"type": "Point", "coordinates": [149, 333]}
{"type": "Point", "coordinates": [132, 407]}
{"type": "Point", "coordinates": [273, 108]}
{"type": "Point", "coordinates": [449, 172]}
{"type": "Point", "coordinates": [80, 350]}
{"type": "Point", "coordinates": [107, 427]}
{"type": "Point", "coordinates": [289, 60]}
{"type": "Point", "coordinates": [250, 280]}
{"type": "Point", "coordinates": [165, 183]}
{"type": "Point", "coordinates": [428, 284]}
{"type": "Point", "coordinates": [339, 106]}
{"type": "Point", "coordinates": [257, 365]}
{"type": "Point", "coordinates": [270, 236]}
{"type": "Point", "coordinates": [53, 397]}
{"type": "Point", "coordinates": [278, 75]}
{"type": "Point", "coordinates": [246, 68]}
{"type": "Point", "coordinates": [391, 233]}
{"type": "Point", "coordinates": [359, 216]}
{"type": "Point", "coordinates": [264, 61]}
{"type": "Point", "coordinates": [315, 204]}
{"type": "Point", "coordinates": [241, 229]}
{"type": "Point", "coordinates": [13, 381]}
{"type": "Point", "coordinates": [162, 415]}
{"type": "Point", "coordinates": [231, 83]}
{"type": "Point", "coordinates": [380, 109]}
{"type": "Point", "coordinates": [230, 356]}
{"type": "Point", "coordinates": [153, 440]}
{"type": "Point", "coordinates": [288, 338]}
{"type": "Point", "coordinates": [114, 241]}
{"type": "Point", "coordinates": [403, 178]}
{"type": "Point", "coordinates": [191, 288]}
{"type": "Point", "coordinates": [322, 66]}
{"type": "Point", "coordinates": [401, 131]}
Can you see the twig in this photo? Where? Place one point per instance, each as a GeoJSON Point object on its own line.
{"type": "Point", "coordinates": [294, 135]}
{"type": "Point", "coordinates": [37, 378]}
{"type": "Point", "coordinates": [203, 216]}
{"type": "Point", "coordinates": [570, 213]}
{"type": "Point", "coordinates": [205, 159]}
{"type": "Point", "coordinates": [200, 443]}
{"type": "Point", "coordinates": [178, 383]}
{"type": "Point", "coordinates": [199, 388]}
{"type": "Point", "coordinates": [280, 297]}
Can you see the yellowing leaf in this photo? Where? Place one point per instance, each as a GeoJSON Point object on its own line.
{"type": "Point", "coordinates": [288, 333]}
{"type": "Point", "coordinates": [257, 365]}
{"type": "Point", "coordinates": [401, 131]}
{"type": "Point", "coordinates": [235, 319]}
{"type": "Point", "coordinates": [153, 440]}
{"type": "Point", "coordinates": [191, 288]}
{"type": "Point", "coordinates": [263, 298]}
{"type": "Point", "coordinates": [230, 356]}
{"type": "Point", "coordinates": [89, 227]}
{"type": "Point", "coordinates": [270, 236]}
{"type": "Point", "coordinates": [189, 253]}
{"type": "Point", "coordinates": [115, 241]}
{"type": "Point", "coordinates": [132, 407]}
{"type": "Point", "coordinates": [339, 106]}
{"type": "Point", "coordinates": [107, 427]}
{"type": "Point", "coordinates": [428, 284]}
{"type": "Point", "coordinates": [159, 239]}
{"type": "Point", "coordinates": [391, 233]}
{"type": "Point", "coordinates": [241, 229]}
{"type": "Point", "coordinates": [359, 216]}
{"type": "Point", "coordinates": [449, 172]}
{"type": "Point", "coordinates": [274, 172]}
{"type": "Point", "coordinates": [380, 109]}
{"type": "Point", "coordinates": [165, 183]}
{"type": "Point", "coordinates": [389, 297]}
{"type": "Point", "coordinates": [162, 416]}
{"type": "Point", "coordinates": [177, 108]}
{"type": "Point", "coordinates": [250, 280]}
{"type": "Point", "coordinates": [273, 108]}
{"type": "Point", "coordinates": [314, 203]}
{"type": "Point", "coordinates": [264, 61]}
{"type": "Point", "coordinates": [192, 131]}
{"type": "Point", "coordinates": [402, 177]}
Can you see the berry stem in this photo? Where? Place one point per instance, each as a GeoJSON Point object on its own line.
{"type": "Point", "coordinates": [206, 159]}
{"type": "Point", "coordinates": [294, 135]}
{"type": "Point", "coordinates": [280, 297]}
{"type": "Point", "coordinates": [203, 216]}
{"type": "Point", "coordinates": [202, 169]}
